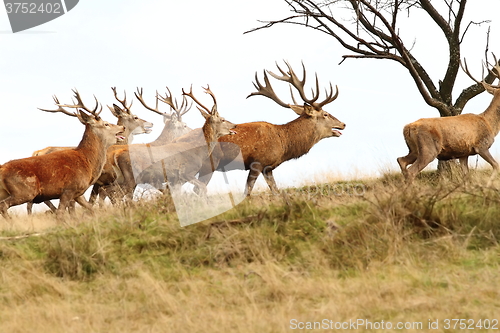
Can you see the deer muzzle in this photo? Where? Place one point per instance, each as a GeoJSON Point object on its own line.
{"type": "Point", "coordinates": [335, 128]}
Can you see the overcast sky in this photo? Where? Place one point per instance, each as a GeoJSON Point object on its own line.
{"type": "Point", "coordinates": [153, 44]}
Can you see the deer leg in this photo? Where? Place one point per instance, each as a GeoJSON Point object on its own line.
{"type": "Point", "coordinates": [3, 209]}
{"type": "Point", "coordinates": [105, 192]}
{"type": "Point", "coordinates": [9, 202]}
{"type": "Point", "coordinates": [268, 176]}
{"type": "Point", "coordinates": [114, 192]}
{"type": "Point", "coordinates": [405, 161]}
{"type": "Point", "coordinates": [129, 183]}
{"type": "Point", "coordinates": [82, 202]}
{"type": "Point", "coordinates": [29, 207]}
{"type": "Point", "coordinates": [205, 174]}
{"type": "Point", "coordinates": [13, 194]}
{"type": "Point", "coordinates": [488, 158]}
{"type": "Point", "coordinates": [72, 206]}
{"type": "Point", "coordinates": [63, 204]}
{"type": "Point", "coordinates": [94, 193]}
{"type": "Point", "coordinates": [421, 162]}
{"type": "Point", "coordinates": [202, 188]}
{"type": "Point", "coordinates": [255, 171]}
{"type": "Point", "coordinates": [50, 205]}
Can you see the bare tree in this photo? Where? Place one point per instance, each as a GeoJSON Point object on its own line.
{"type": "Point", "coordinates": [373, 32]}
{"type": "Point", "coordinates": [371, 29]}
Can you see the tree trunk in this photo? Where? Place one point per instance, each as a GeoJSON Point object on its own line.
{"type": "Point", "coordinates": [449, 169]}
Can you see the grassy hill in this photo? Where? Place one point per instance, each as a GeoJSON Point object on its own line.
{"type": "Point", "coordinates": [374, 252]}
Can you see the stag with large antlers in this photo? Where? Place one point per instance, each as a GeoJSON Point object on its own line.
{"type": "Point", "coordinates": [456, 137]}
{"type": "Point", "coordinates": [265, 146]}
{"type": "Point", "coordinates": [175, 163]}
{"type": "Point", "coordinates": [133, 126]}
{"type": "Point", "coordinates": [63, 175]}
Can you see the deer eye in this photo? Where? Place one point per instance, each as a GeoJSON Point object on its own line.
{"type": "Point", "coordinates": [106, 124]}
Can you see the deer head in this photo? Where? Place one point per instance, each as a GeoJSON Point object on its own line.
{"type": "Point", "coordinates": [174, 125]}
{"type": "Point", "coordinates": [132, 123]}
{"type": "Point", "coordinates": [215, 125]}
{"type": "Point", "coordinates": [327, 124]}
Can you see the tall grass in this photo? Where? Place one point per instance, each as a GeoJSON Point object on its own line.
{"type": "Point", "coordinates": [389, 252]}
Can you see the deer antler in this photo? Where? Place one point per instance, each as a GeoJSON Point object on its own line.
{"type": "Point", "coordinates": [80, 104]}
{"type": "Point", "coordinates": [488, 87]}
{"type": "Point", "coordinates": [180, 111]}
{"type": "Point", "coordinates": [59, 109]}
{"type": "Point", "coordinates": [266, 90]}
{"type": "Point", "coordinates": [207, 90]}
{"type": "Point", "coordinates": [124, 101]}
{"type": "Point", "coordinates": [138, 95]}
{"type": "Point", "coordinates": [292, 78]}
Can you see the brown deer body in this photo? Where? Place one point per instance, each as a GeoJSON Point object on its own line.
{"type": "Point", "coordinates": [265, 146]}
{"type": "Point", "coordinates": [133, 126]}
{"type": "Point", "coordinates": [456, 137]}
{"type": "Point", "coordinates": [63, 175]}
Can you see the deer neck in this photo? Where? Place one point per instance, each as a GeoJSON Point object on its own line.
{"type": "Point", "coordinates": [168, 134]}
{"type": "Point", "coordinates": [298, 136]}
{"type": "Point", "coordinates": [93, 151]}
{"type": "Point", "coordinates": [210, 137]}
{"type": "Point", "coordinates": [492, 113]}
{"type": "Point", "coordinates": [127, 133]}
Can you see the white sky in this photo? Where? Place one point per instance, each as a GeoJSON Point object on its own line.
{"type": "Point", "coordinates": [153, 44]}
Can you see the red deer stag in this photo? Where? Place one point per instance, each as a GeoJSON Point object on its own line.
{"type": "Point", "coordinates": [63, 175]}
{"type": "Point", "coordinates": [133, 126]}
{"type": "Point", "coordinates": [265, 146]}
{"type": "Point", "coordinates": [109, 182]}
{"type": "Point", "coordinates": [455, 137]}
{"type": "Point", "coordinates": [182, 160]}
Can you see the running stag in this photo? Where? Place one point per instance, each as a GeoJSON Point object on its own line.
{"type": "Point", "coordinates": [265, 146]}
{"type": "Point", "coordinates": [63, 175]}
{"type": "Point", "coordinates": [456, 137]}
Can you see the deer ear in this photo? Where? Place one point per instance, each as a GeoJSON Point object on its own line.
{"type": "Point", "coordinates": [310, 111]}
{"type": "Point", "coordinates": [85, 118]}
{"type": "Point", "coordinates": [116, 111]}
{"type": "Point", "coordinates": [203, 113]}
{"type": "Point", "coordinates": [488, 88]}
{"type": "Point", "coordinates": [298, 109]}
{"type": "Point", "coordinates": [214, 111]}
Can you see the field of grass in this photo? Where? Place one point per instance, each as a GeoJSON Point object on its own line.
{"type": "Point", "coordinates": [365, 255]}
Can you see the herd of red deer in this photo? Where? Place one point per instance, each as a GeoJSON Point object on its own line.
{"type": "Point", "coordinates": [103, 157]}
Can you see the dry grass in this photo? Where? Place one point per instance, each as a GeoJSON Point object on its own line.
{"type": "Point", "coordinates": [393, 253]}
